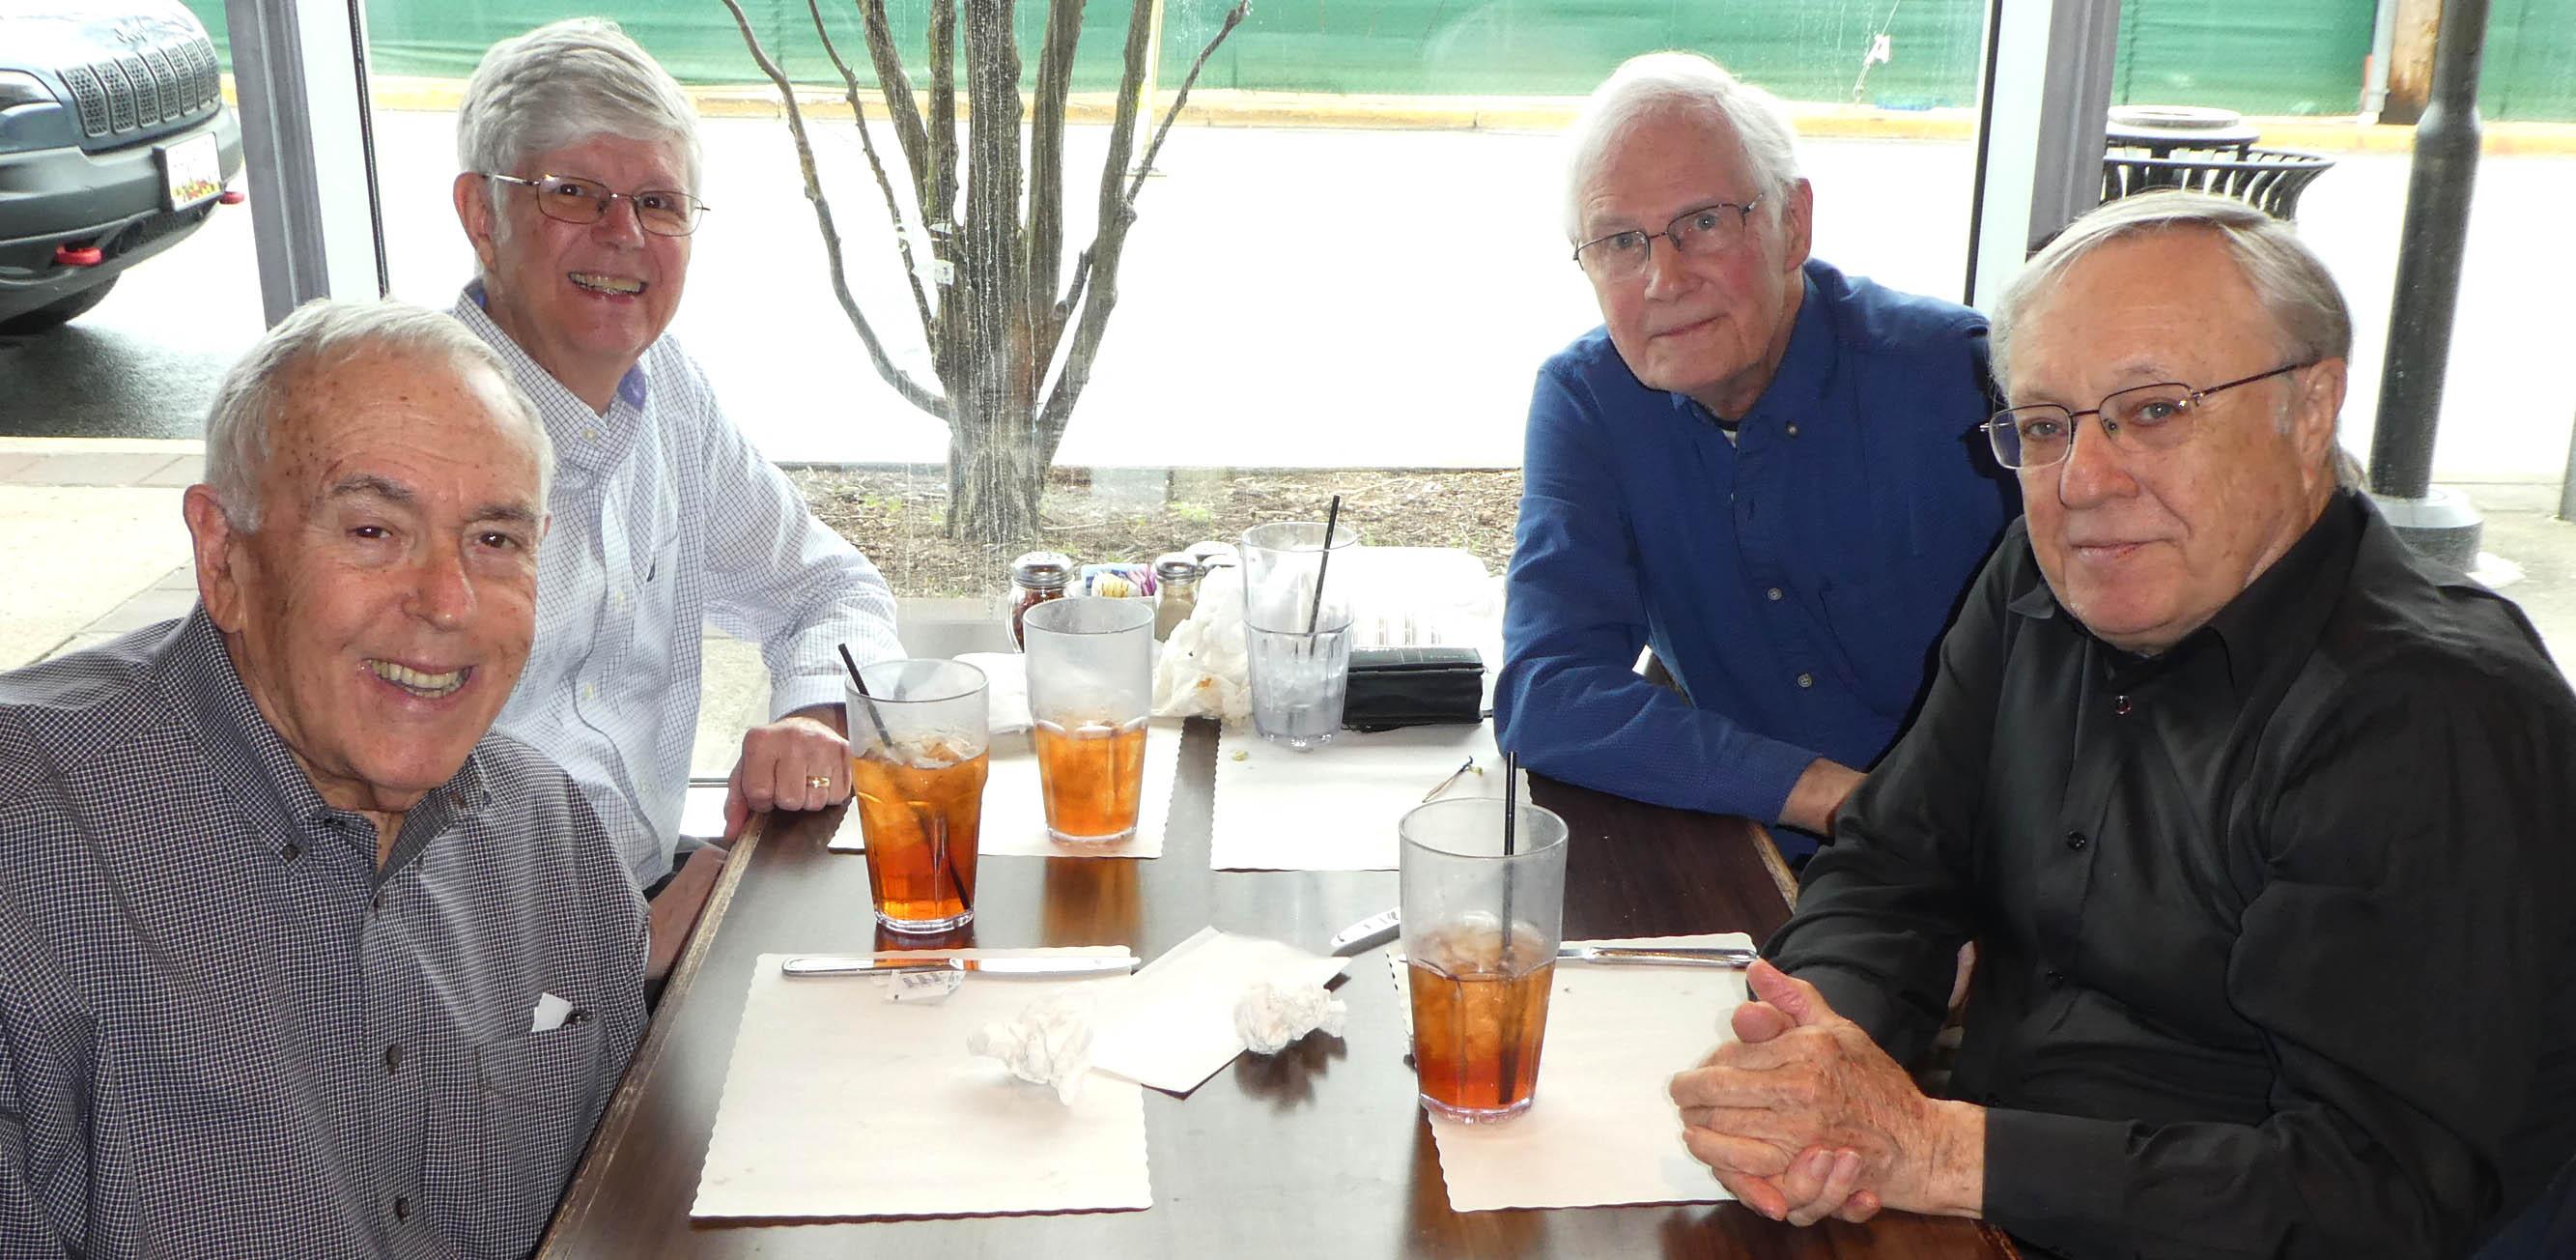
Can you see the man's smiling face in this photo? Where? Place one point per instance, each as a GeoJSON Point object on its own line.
{"type": "Point", "coordinates": [583, 299]}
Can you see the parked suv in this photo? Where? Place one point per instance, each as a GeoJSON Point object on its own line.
{"type": "Point", "coordinates": [115, 144]}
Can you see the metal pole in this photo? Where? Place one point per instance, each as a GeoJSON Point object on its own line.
{"type": "Point", "coordinates": [2567, 485]}
{"type": "Point", "coordinates": [2428, 291]}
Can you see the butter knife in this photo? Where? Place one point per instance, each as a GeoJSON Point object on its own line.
{"type": "Point", "coordinates": [1051, 968]}
{"type": "Point", "coordinates": [1736, 956]}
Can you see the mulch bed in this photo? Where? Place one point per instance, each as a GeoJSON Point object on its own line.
{"type": "Point", "coordinates": [898, 518]}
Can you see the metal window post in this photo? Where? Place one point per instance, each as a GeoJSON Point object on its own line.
{"type": "Point", "coordinates": [300, 73]}
{"type": "Point", "coordinates": [2046, 94]}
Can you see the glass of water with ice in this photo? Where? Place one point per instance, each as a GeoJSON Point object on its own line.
{"type": "Point", "coordinates": [1299, 643]}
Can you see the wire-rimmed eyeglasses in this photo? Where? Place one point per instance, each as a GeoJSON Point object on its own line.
{"type": "Point", "coordinates": [581, 199]}
{"type": "Point", "coordinates": [2140, 418]}
{"type": "Point", "coordinates": [1711, 229]}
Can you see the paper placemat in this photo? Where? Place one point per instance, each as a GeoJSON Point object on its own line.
{"type": "Point", "coordinates": [1014, 822]}
{"type": "Point", "coordinates": [1335, 808]}
{"type": "Point", "coordinates": [1172, 1025]}
{"type": "Point", "coordinates": [1603, 1130]}
{"type": "Point", "coordinates": [840, 1104]}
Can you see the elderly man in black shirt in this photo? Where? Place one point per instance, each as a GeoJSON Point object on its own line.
{"type": "Point", "coordinates": [2261, 823]}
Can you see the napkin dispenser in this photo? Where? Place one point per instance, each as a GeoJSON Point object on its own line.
{"type": "Point", "coordinates": [1414, 686]}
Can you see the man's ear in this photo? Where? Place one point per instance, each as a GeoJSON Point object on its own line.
{"type": "Point", "coordinates": [474, 211]}
{"type": "Point", "coordinates": [2313, 410]}
{"type": "Point", "coordinates": [1798, 223]}
{"type": "Point", "coordinates": [220, 556]}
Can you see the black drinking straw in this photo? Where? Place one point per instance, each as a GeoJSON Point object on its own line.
{"type": "Point", "coordinates": [860, 685]}
{"type": "Point", "coordinates": [1509, 1067]}
{"type": "Point", "coordinates": [1332, 516]}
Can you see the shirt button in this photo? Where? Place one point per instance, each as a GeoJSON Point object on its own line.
{"type": "Point", "coordinates": [402, 1208]}
{"type": "Point", "coordinates": [1793, 430]}
{"type": "Point", "coordinates": [1806, 680]}
{"type": "Point", "coordinates": [591, 433]}
{"type": "Point", "coordinates": [2075, 840]}
{"type": "Point", "coordinates": [2120, 705]}
{"type": "Point", "coordinates": [2055, 976]}
{"type": "Point", "coordinates": [293, 850]}
{"type": "Point", "coordinates": [1774, 593]}
{"type": "Point", "coordinates": [377, 902]}
{"type": "Point", "coordinates": [590, 691]}
{"type": "Point", "coordinates": [393, 1058]}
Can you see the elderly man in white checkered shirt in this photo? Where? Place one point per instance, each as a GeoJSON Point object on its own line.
{"type": "Point", "coordinates": [579, 192]}
{"type": "Point", "coordinates": [297, 956]}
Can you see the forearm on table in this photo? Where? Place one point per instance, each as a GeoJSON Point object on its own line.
{"type": "Point", "coordinates": [1603, 727]}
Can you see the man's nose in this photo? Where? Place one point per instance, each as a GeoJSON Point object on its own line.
{"type": "Point", "coordinates": [622, 223]}
{"type": "Point", "coordinates": [2094, 470]}
{"type": "Point", "coordinates": [442, 593]}
{"type": "Point", "coordinates": [1665, 270]}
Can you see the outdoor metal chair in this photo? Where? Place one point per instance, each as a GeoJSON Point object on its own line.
{"type": "Point", "coordinates": [2271, 179]}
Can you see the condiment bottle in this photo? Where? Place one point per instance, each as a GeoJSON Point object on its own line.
{"type": "Point", "coordinates": [1177, 576]}
{"type": "Point", "coordinates": [1036, 577]}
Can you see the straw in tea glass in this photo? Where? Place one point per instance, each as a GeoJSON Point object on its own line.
{"type": "Point", "coordinates": [1091, 686]}
{"type": "Point", "coordinates": [1297, 627]}
{"type": "Point", "coordinates": [1482, 920]}
{"type": "Point", "coordinates": [918, 760]}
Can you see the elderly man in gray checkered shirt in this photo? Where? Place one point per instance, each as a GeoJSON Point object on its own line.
{"type": "Point", "coordinates": [297, 958]}
{"type": "Point", "coordinates": [579, 192]}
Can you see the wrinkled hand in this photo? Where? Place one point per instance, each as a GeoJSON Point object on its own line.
{"type": "Point", "coordinates": [800, 761]}
{"type": "Point", "coordinates": [1804, 1117]}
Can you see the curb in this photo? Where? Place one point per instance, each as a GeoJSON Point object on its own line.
{"type": "Point", "coordinates": [1213, 107]}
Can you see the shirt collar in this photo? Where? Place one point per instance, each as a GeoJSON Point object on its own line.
{"type": "Point", "coordinates": [254, 764]}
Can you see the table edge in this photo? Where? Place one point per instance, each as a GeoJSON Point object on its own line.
{"type": "Point", "coordinates": [613, 1124]}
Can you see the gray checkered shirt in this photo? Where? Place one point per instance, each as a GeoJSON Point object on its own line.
{"type": "Point", "coordinates": [666, 519]}
{"type": "Point", "coordinates": [225, 1033]}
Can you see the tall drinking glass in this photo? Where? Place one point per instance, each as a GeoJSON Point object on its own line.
{"type": "Point", "coordinates": [1299, 646]}
{"type": "Point", "coordinates": [1091, 686]}
{"type": "Point", "coordinates": [1481, 928]}
{"type": "Point", "coordinates": [917, 767]}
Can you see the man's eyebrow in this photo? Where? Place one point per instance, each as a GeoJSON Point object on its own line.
{"type": "Point", "coordinates": [371, 484]}
{"type": "Point", "coordinates": [507, 513]}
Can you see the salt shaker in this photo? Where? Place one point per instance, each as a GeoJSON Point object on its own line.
{"type": "Point", "coordinates": [1177, 575]}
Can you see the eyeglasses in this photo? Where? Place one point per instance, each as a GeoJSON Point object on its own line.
{"type": "Point", "coordinates": [578, 199]}
{"type": "Point", "coordinates": [2141, 418]}
{"type": "Point", "coordinates": [1710, 230]}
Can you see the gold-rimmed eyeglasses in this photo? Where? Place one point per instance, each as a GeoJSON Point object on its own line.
{"type": "Point", "coordinates": [1712, 229]}
{"type": "Point", "coordinates": [580, 199]}
{"type": "Point", "coordinates": [2140, 418]}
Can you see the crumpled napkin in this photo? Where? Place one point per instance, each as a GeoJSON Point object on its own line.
{"type": "Point", "coordinates": [1270, 1016]}
{"type": "Point", "coordinates": [1049, 1044]}
{"type": "Point", "coordinates": [1204, 670]}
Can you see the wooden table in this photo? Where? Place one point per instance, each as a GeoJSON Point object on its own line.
{"type": "Point", "coordinates": [1320, 1151]}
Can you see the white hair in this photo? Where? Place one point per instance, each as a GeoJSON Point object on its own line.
{"type": "Point", "coordinates": [323, 333]}
{"type": "Point", "coordinates": [1657, 84]}
{"type": "Point", "coordinates": [2310, 321]}
{"type": "Point", "coordinates": [564, 83]}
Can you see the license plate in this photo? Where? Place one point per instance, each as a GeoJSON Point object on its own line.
{"type": "Point", "coordinates": [194, 169]}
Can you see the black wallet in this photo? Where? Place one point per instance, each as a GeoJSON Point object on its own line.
{"type": "Point", "coordinates": [1414, 686]}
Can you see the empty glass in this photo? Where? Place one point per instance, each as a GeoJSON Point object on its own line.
{"type": "Point", "coordinates": [1299, 646]}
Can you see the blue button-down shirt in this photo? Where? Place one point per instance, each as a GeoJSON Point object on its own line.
{"type": "Point", "coordinates": [1795, 580]}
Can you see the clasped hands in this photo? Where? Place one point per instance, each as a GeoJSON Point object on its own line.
{"type": "Point", "coordinates": [1803, 1117]}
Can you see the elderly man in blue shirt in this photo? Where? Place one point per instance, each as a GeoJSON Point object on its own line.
{"type": "Point", "coordinates": [1764, 469]}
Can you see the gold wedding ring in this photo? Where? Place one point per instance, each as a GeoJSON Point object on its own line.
{"type": "Point", "coordinates": [818, 780]}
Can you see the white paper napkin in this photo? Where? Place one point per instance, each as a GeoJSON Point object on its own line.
{"type": "Point", "coordinates": [1335, 808]}
{"type": "Point", "coordinates": [1014, 823]}
{"type": "Point", "coordinates": [1171, 1025]}
{"type": "Point", "coordinates": [840, 1104]}
{"type": "Point", "coordinates": [1603, 1129]}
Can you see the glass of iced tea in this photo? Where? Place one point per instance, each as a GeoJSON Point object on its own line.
{"type": "Point", "coordinates": [1481, 927]}
{"type": "Point", "coordinates": [917, 766]}
{"type": "Point", "coordinates": [1091, 687]}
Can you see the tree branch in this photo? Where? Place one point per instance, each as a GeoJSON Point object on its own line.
{"type": "Point", "coordinates": [876, 166]}
{"type": "Point", "coordinates": [1046, 168]}
{"type": "Point", "coordinates": [992, 270]}
{"type": "Point", "coordinates": [913, 391]}
{"type": "Point", "coordinates": [897, 89]}
{"type": "Point", "coordinates": [1117, 214]}
{"type": "Point", "coordinates": [941, 200]}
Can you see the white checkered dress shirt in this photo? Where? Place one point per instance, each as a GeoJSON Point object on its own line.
{"type": "Point", "coordinates": [225, 1032]}
{"type": "Point", "coordinates": [666, 519]}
